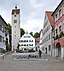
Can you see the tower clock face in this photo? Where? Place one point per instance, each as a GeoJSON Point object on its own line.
{"type": "Point", "coordinates": [15, 21]}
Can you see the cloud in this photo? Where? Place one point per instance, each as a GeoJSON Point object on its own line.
{"type": "Point", "coordinates": [34, 21]}
{"type": "Point", "coordinates": [35, 4]}
{"type": "Point", "coordinates": [33, 25]}
{"type": "Point", "coordinates": [32, 12]}
{"type": "Point", "coordinates": [6, 15]}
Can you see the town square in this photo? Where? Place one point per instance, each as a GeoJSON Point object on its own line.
{"type": "Point", "coordinates": [32, 35]}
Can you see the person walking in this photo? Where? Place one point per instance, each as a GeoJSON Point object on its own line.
{"type": "Point", "coordinates": [40, 53]}
{"type": "Point", "coordinates": [3, 57]}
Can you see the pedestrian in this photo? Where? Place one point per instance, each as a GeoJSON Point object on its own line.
{"type": "Point", "coordinates": [3, 57]}
{"type": "Point", "coordinates": [40, 53]}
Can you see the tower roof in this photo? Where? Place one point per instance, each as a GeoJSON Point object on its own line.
{"type": "Point", "coordinates": [15, 10]}
{"type": "Point", "coordinates": [16, 7]}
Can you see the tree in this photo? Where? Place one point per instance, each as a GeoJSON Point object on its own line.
{"type": "Point", "coordinates": [36, 35]}
{"type": "Point", "coordinates": [21, 32]}
{"type": "Point", "coordinates": [31, 33]}
{"type": "Point", "coordinates": [61, 35]}
{"type": "Point", "coordinates": [8, 28]}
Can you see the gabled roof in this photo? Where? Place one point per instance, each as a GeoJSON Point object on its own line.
{"type": "Point", "coordinates": [58, 6]}
{"type": "Point", "coordinates": [3, 20]}
{"type": "Point", "coordinates": [27, 36]}
{"type": "Point", "coordinates": [50, 17]}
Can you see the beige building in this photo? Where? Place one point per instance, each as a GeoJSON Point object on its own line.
{"type": "Point", "coordinates": [48, 40]}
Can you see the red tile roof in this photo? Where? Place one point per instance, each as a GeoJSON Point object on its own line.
{"type": "Point", "coordinates": [50, 17]}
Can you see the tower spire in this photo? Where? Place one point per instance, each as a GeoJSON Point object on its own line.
{"type": "Point", "coordinates": [16, 7]}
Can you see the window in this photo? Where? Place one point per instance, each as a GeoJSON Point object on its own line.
{"type": "Point", "coordinates": [15, 31]}
{"type": "Point", "coordinates": [60, 12]}
{"type": "Point", "coordinates": [56, 31]}
{"type": "Point", "coordinates": [30, 40]}
{"type": "Point", "coordinates": [0, 38]}
{"type": "Point", "coordinates": [59, 28]}
{"type": "Point", "coordinates": [15, 26]}
{"type": "Point", "coordinates": [26, 36]}
{"type": "Point", "coordinates": [49, 36]}
{"type": "Point", "coordinates": [49, 47]}
{"type": "Point", "coordinates": [15, 21]}
{"type": "Point", "coordinates": [21, 40]}
{"type": "Point", "coordinates": [56, 15]}
{"type": "Point", "coordinates": [0, 27]}
{"type": "Point", "coordinates": [24, 44]}
{"type": "Point", "coordinates": [45, 24]}
{"type": "Point", "coordinates": [15, 35]}
{"type": "Point", "coordinates": [3, 39]}
{"type": "Point", "coordinates": [30, 44]}
{"type": "Point", "coordinates": [45, 17]}
{"type": "Point", "coordinates": [27, 44]}
{"type": "Point", "coordinates": [25, 40]}
{"type": "Point", "coordinates": [21, 44]}
{"type": "Point", "coordinates": [15, 15]}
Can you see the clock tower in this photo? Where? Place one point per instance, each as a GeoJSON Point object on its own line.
{"type": "Point", "coordinates": [15, 27]}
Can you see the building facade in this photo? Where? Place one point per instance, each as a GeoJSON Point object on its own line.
{"type": "Point", "coordinates": [58, 15]}
{"type": "Point", "coordinates": [3, 35]}
{"type": "Point", "coordinates": [47, 40]}
{"type": "Point", "coordinates": [27, 42]}
{"type": "Point", "coordinates": [37, 40]}
{"type": "Point", "coordinates": [41, 36]}
{"type": "Point", "coordinates": [15, 27]}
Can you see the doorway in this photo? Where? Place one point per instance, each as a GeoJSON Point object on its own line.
{"type": "Point", "coordinates": [58, 46]}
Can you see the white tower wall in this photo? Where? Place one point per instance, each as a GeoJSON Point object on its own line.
{"type": "Point", "coordinates": [15, 27]}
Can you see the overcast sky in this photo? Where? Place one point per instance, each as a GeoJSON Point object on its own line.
{"type": "Point", "coordinates": [32, 12]}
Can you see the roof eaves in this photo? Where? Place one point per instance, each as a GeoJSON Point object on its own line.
{"type": "Point", "coordinates": [57, 7]}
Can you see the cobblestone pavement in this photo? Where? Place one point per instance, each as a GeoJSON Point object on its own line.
{"type": "Point", "coordinates": [52, 64]}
